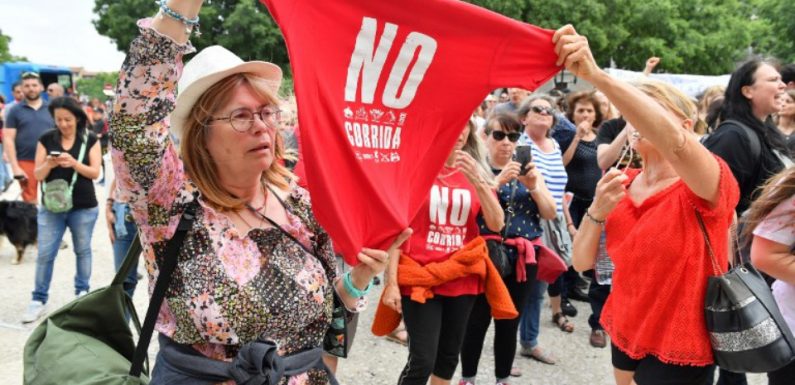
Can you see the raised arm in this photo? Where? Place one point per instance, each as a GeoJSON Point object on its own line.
{"type": "Point", "coordinates": [607, 153]}
{"type": "Point", "coordinates": [149, 171]}
{"type": "Point", "coordinates": [692, 162]}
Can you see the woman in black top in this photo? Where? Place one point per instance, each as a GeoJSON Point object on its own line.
{"type": "Point", "coordinates": [72, 154]}
{"type": "Point", "coordinates": [749, 100]}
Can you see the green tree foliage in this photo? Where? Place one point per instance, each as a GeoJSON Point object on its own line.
{"type": "Point", "coordinates": [93, 86]}
{"type": "Point", "coordinates": [242, 26]}
{"type": "Point", "coordinates": [5, 52]}
{"type": "Point", "coordinates": [691, 36]}
{"type": "Point", "coordinates": [778, 38]}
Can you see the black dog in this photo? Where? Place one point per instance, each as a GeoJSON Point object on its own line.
{"type": "Point", "coordinates": [18, 223]}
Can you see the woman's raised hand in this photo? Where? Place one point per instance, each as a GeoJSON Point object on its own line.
{"type": "Point", "coordinates": [530, 178]}
{"type": "Point", "coordinates": [584, 128]}
{"type": "Point", "coordinates": [376, 261]}
{"type": "Point", "coordinates": [508, 173]}
{"type": "Point", "coordinates": [467, 165]}
{"type": "Point", "coordinates": [574, 52]}
{"type": "Point", "coordinates": [609, 191]}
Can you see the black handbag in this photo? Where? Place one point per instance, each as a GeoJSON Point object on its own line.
{"type": "Point", "coordinates": [747, 332]}
{"type": "Point", "coordinates": [497, 249]}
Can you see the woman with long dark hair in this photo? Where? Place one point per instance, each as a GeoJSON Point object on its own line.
{"type": "Point", "coordinates": [745, 139]}
{"type": "Point", "coordinates": [68, 155]}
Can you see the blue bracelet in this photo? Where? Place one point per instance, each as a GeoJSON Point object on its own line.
{"type": "Point", "coordinates": [191, 25]}
{"type": "Point", "coordinates": [347, 283]}
{"type": "Point", "coordinates": [174, 15]}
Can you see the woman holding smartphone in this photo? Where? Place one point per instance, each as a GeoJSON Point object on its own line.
{"type": "Point", "coordinates": [525, 199]}
{"type": "Point", "coordinates": [69, 153]}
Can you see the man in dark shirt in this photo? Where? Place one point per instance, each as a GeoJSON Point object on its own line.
{"type": "Point", "coordinates": [25, 123]}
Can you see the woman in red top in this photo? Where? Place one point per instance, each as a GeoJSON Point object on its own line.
{"type": "Point", "coordinates": [448, 220]}
{"type": "Point", "coordinates": [654, 315]}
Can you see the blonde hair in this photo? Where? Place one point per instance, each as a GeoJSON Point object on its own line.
{"type": "Point", "coordinates": [201, 167]}
{"type": "Point", "coordinates": [670, 98]}
{"type": "Point", "coordinates": [709, 95]}
{"type": "Point", "coordinates": [474, 146]}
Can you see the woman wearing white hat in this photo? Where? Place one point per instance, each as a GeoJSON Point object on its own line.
{"type": "Point", "coordinates": [255, 265]}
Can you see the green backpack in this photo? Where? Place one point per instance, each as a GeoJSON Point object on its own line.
{"type": "Point", "coordinates": [57, 194]}
{"type": "Point", "coordinates": [89, 342]}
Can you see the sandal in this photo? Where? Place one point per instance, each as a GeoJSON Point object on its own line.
{"type": "Point", "coordinates": [399, 335]}
{"type": "Point", "coordinates": [563, 322]}
{"type": "Point", "coordinates": [538, 355]}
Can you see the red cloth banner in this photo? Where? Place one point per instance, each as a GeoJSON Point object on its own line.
{"type": "Point", "coordinates": [384, 88]}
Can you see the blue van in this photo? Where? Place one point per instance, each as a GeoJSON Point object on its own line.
{"type": "Point", "coordinates": [10, 73]}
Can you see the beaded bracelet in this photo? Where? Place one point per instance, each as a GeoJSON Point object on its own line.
{"type": "Point", "coordinates": [347, 283]}
{"type": "Point", "coordinates": [594, 220]}
{"type": "Point", "coordinates": [190, 24]}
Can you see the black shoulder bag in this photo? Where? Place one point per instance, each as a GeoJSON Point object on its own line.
{"type": "Point", "coordinates": [747, 331]}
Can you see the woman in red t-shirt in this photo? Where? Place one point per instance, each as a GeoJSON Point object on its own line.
{"type": "Point", "coordinates": [655, 313]}
{"type": "Point", "coordinates": [463, 190]}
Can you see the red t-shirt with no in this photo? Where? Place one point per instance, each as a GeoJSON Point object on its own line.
{"type": "Point", "coordinates": [656, 305]}
{"type": "Point", "coordinates": [447, 220]}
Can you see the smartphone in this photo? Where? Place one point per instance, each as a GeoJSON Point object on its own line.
{"type": "Point", "coordinates": [524, 155]}
{"type": "Point", "coordinates": [54, 153]}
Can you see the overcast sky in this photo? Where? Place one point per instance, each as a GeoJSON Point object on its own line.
{"type": "Point", "coordinates": [58, 32]}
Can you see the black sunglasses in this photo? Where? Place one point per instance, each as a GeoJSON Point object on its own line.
{"type": "Point", "coordinates": [542, 110]}
{"type": "Point", "coordinates": [500, 135]}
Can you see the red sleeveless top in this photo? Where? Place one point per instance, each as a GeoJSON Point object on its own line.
{"type": "Point", "coordinates": [656, 306]}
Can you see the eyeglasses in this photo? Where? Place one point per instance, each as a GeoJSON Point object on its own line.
{"type": "Point", "coordinates": [28, 75]}
{"type": "Point", "coordinates": [242, 119]}
{"type": "Point", "coordinates": [500, 135]}
{"type": "Point", "coordinates": [542, 110]}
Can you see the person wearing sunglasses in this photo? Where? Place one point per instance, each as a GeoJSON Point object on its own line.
{"type": "Point", "coordinates": [539, 118]}
{"type": "Point", "coordinates": [650, 217]}
{"type": "Point", "coordinates": [255, 263]}
{"type": "Point", "coordinates": [524, 199]}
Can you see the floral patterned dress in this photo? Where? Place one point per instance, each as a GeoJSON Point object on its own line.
{"type": "Point", "coordinates": [228, 288]}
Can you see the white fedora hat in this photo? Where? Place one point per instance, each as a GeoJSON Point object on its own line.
{"type": "Point", "coordinates": [208, 67]}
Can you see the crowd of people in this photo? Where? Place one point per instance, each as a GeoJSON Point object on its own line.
{"type": "Point", "coordinates": [591, 196]}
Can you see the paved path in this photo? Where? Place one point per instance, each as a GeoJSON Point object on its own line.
{"type": "Point", "coordinates": [373, 360]}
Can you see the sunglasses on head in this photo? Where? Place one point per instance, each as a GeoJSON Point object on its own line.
{"type": "Point", "coordinates": [500, 135]}
{"type": "Point", "coordinates": [28, 75]}
{"type": "Point", "coordinates": [542, 110]}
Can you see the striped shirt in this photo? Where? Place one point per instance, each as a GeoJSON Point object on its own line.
{"type": "Point", "coordinates": [551, 167]}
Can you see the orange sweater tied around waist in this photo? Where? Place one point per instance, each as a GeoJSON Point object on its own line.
{"type": "Point", "coordinates": [472, 258]}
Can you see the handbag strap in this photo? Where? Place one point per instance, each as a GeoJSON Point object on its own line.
{"type": "Point", "coordinates": [285, 232]}
{"type": "Point", "coordinates": [163, 280]}
{"type": "Point", "coordinates": [79, 159]}
{"type": "Point", "coordinates": [510, 211]}
{"type": "Point", "coordinates": [715, 267]}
